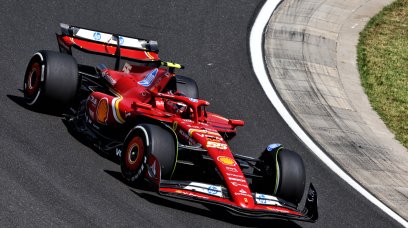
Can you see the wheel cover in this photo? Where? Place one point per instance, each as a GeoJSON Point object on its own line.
{"type": "Point", "coordinates": [33, 80]}
{"type": "Point", "coordinates": [134, 153]}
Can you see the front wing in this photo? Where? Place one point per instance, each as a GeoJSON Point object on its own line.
{"type": "Point", "coordinates": [266, 206]}
{"type": "Point", "coordinates": [308, 214]}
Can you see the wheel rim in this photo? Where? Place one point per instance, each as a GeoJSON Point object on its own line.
{"type": "Point", "coordinates": [33, 79]}
{"type": "Point", "coordinates": [134, 153]}
{"type": "Point", "coordinates": [32, 83]}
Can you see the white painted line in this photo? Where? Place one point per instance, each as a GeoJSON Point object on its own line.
{"type": "Point", "coordinates": [257, 58]}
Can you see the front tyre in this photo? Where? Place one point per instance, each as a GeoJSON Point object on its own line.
{"type": "Point", "coordinates": [187, 86]}
{"type": "Point", "coordinates": [283, 174]}
{"type": "Point", "coordinates": [133, 157]}
{"type": "Point", "coordinates": [143, 140]}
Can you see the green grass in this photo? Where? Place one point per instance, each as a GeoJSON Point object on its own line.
{"type": "Point", "coordinates": [383, 65]}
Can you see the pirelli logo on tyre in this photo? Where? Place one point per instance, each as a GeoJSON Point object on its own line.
{"type": "Point", "coordinates": [226, 160]}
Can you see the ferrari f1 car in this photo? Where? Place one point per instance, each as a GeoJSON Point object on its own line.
{"type": "Point", "coordinates": [154, 120]}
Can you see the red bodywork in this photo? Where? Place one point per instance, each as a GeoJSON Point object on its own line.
{"type": "Point", "coordinates": [139, 91]}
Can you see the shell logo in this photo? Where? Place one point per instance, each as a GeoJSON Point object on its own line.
{"type": "Point", "coordinates": [226, 160]}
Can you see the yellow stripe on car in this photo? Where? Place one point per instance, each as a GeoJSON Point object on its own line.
{"type": "Point", "coordinates": [115, 107]}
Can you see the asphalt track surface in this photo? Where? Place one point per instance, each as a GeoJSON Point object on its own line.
{"type": "Point", "coordinates": [50, 179]}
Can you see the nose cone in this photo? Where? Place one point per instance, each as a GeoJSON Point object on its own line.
{"type": "Point", "coordinates": [244, 200]}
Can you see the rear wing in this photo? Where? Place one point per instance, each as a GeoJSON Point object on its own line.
{"type": "Point", "coordinates": [113, 45]}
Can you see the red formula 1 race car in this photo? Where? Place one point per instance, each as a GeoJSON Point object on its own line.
{"type": "Point", "coordinates": [155, 122]}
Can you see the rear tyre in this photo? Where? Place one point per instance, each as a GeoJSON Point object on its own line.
{"type": "Point", "coordinates": [143, 140]}
{"type": "Point", "coordinates": [187, 86]}
{"type": "Point", "coordinates": [283, 174]}
{"type": "Point", "coordinates": [51, 80]}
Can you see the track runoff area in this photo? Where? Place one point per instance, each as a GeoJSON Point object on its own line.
{"type": "Point", "coordinates": [257, 58]}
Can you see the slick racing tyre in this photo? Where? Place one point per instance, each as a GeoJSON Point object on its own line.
{"type": "Point", "coordinates": [51, 80]}
{"type": "Point", "coordinates": [145, 140]}
{"type": "Point", "coordinates": [283, 174]}
{"type": "Point", "coordinates": [187, 86]}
